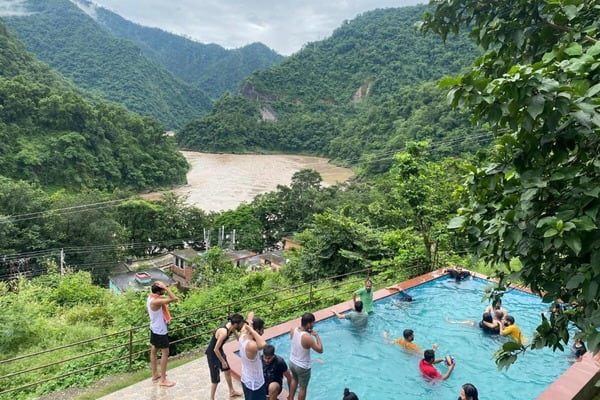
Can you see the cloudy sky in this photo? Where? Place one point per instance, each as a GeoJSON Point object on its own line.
{"type": "Point", "coordinates": [283, 25]}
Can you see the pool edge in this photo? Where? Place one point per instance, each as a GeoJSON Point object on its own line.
{"type": "Point", "coordinates": [574, 383]}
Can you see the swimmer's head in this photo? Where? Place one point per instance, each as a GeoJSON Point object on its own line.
{"type": "Point", "coordinates": [358, 306]}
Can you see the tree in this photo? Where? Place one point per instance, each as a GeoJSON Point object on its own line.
{"type": "Point", "coordinates": [336, 244]}
{"type": "Point", "coordinates": [538, 199]}
{"type": "Point", "coordinates": [422, 196]}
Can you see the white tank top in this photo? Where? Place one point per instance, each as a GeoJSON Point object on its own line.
{"type": "Point", "coordinates": [252, 371]}
{"type": "Point", "coordinates": [299, 355]}
{"type": "Point", "coordinates": [157, 319]}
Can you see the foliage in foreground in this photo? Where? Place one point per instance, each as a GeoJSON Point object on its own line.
{"type": "Point", "coordinates": [538, 199]}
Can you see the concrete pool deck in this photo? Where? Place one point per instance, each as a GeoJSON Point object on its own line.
{"type": "Point", "coordinates": [577, 382]}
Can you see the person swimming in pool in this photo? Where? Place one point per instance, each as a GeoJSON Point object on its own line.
{"type": "Point", "coordinates": [468, 392]}
{"type": "Point", "coordinates": [578, 349]}
{"type": "Point", "coordinates": [496, 306]}
{"type": "Point", "coordinates": [358, 317]}
{"type": "Point", "coordinates": [366, 296]}
{"type": "Point", "coordinates": [406, 342]}
{"type": "Point", "coordinates": [488, 324]}
{"type": "Point", "coordinates": [509, 328]}
{"type": "Point", "coordinates": [427, 369]}
{"type": "Point", "coordinates": [348, 395]}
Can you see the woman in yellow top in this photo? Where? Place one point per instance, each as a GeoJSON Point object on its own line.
{"type": "Point", "coordinates": [508, 328]}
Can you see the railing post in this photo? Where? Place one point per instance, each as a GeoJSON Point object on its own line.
{"type": "Point", "coordinates": [130, 349]}
{"type": "Point", "coordinates": [310, 294]}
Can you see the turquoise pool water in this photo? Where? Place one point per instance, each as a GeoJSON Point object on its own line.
{"type": "Point", "coordinates": [363, 362]}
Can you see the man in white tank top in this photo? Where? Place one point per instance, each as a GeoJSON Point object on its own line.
{"type": "Point", "coordinates": [158, 312]}
{"type": "Point", "coordinates": [253, 380]}
{"type": "Point", "coordinates": [303, 340]}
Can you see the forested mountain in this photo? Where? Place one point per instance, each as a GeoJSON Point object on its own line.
{"type": "Point", "coordinates": [207, 66]}
{"type": "Point", "coordinates": [357, 92]}
{"type": "Point", "coordinates": [66, 38]}
{"type": "Point", "coordinates": [51, 135]}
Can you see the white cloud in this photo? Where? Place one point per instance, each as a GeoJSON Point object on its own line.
{"type": "Point", "coordinates": [13, 8]}
{"type": "Point", "coordinates": [284, 25]}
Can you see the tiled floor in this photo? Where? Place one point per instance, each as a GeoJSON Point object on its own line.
{"type": "Point", "coordinates": [192, 383]}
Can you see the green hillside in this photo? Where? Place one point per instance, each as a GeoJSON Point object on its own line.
{"type": "Point", "coordinates": [51, 135]}
{"type": "Point", "coordinates": [362, 91]}
{"type": "Point", "coordinates": [67, 39]}
{"type": "Point", "coordinates": [210, 67]}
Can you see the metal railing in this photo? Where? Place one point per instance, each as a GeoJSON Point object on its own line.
{"type": "Point", "coordinates": [126, 342]}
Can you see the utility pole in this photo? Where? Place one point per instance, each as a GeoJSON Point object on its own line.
{"type": "Point", "coordinates": [233, 240]}
{"type": "Point", "coordinates": [62, 263]}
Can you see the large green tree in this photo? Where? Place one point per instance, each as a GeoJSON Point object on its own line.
{"type": "Point", "coordinates": [538, 199]}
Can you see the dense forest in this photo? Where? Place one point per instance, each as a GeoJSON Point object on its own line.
{"type": "Point", "coordinates": [353, 96]}
{"type": "Point", "coordinates": [63, 36]}
{"type": "Point", "coordinates": [52, 136]}
{"type": "Point", "coordinates": [209, 67]}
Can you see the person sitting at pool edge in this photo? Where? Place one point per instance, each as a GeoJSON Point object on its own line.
{"type": "Point", "coordinates": [458, 273]}
{"type": "Point", "coordinates": [366, 296]}
{"type": "Point", "coordinates": [407, 341]}
{"type": "Point", "coordinates": [429, 371]}
{"type": "Point", "coordinates": [358, 318]}
{"type": "Point", "coordinates": [509, 328]}
{"type": "Point", "coordinates": [274, 369]}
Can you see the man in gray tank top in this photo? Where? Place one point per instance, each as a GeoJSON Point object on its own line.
{"type": "Point", "coordinates": [303, 340]}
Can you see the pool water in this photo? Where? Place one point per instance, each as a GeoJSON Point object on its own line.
{"type": "Point", "coordinates": [374, 370]}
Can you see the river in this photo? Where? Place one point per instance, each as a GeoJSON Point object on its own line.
{"type": "Point", "coordinates": [223, 181]}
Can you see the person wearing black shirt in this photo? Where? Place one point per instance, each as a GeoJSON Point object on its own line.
{"type": "Point", "coordinates": [458, 273]}
{"type": "Point", "coordinates": [274, 369]}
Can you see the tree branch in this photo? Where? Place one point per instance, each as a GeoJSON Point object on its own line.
{"type": "Point", "coordinates": [567, 29]}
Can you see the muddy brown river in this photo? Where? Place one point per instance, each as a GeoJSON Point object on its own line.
{"type": "Point", "coordinates": [224, 181]}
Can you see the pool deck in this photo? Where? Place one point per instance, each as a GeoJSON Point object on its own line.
{"type": "Point", "coordinates": [577, 382]}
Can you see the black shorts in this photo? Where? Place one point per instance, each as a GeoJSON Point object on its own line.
{"type": "Point", "coordinates": [258, 394]}
{"type": "Point", "coordinates": [215, 367]}
{"type": "Point", "coordinates": [159, 341]}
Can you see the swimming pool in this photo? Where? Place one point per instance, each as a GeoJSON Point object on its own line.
{"type": "Point", "coordinates": [362, 361]}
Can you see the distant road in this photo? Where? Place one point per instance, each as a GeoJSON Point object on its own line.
{"type": "Point", "coordinates": [223, 181]}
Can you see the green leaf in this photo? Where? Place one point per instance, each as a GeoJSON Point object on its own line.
{"type": "Point", "coordinates": [574, 242]}
{"type": "Point", "coordinates": [575, 281]}
{"type": "Point", "coordinates": [535, 105]}
{"type": "Point", "coordinates": [574, 49]}
{"type": "Point", "coordinates": [593, 90]}
{"type": "Point", "coordinates": [456, 222]}
{"type": "Point", "coordinates": [593, 192]}
{"type": "Point", "coordinates": [570, 11]}
{"type": "Point", "coordinates": [590, 291]}
{"type": "Point", "coordinates": [584, 223]}
{"type": "Point", "coordinates": [509, 347]}
{"type": "Point", "coordinates": [594, 50]}
{"type": "Point", "coordinates": [550, 232]}
{"type": "Point", "coordinates": [450, 81]}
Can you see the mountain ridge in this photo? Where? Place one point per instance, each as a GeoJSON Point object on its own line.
{"type": "Point", "coordinates": [67, 39]}
{"type": "Point", "coordinates": [209, 67]}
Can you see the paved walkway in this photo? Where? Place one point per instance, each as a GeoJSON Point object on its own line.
{"type": "Point", "coordinates": [193, 383]}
